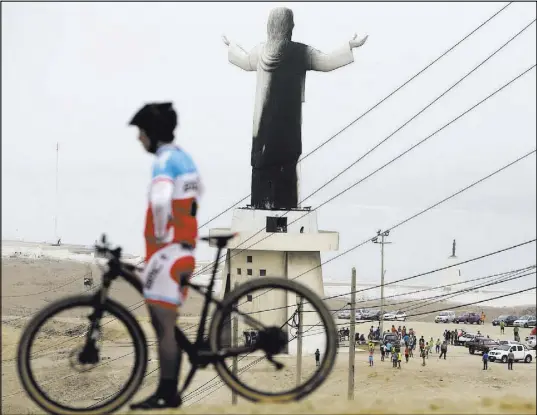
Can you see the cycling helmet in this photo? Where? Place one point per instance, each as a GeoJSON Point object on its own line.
{"type": "Point", "coordinates": [158, 120]}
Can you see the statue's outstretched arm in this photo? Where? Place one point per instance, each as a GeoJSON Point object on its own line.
{"type": "Point", "coordinates": [239, 57]}
{"type": "Point", "coordinates": [325, 62]}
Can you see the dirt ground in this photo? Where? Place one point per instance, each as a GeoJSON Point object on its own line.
{"type": "Point", "coordinates": [455, 385]}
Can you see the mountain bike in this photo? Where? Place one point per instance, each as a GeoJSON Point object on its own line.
{"type": "Point", "coordinates": [270, 339]}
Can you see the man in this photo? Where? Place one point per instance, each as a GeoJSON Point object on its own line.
{"type": "Point", "coordinates": [443, 350]}
{"type": "Point", "coordinates": [502, 327]}
{"type": "Point", "coordinates": [422, 343]}
{"type": "Point", "coordinates": [382, 352]}
{"type": "Point", "coordinates": [485, 360]}
{"type": "Point", "coordinates": [510, 359]}
{"type": "Point", "coordinates": [422, 355]}
{"type": "Point", "coordinates": [483, 316]}
{"type": "Point", "coordinates": [317, 358]}
{"type": "Point", "coordinates": [171, 230]}
{"type": "Point", "coordinates": [515, 332]}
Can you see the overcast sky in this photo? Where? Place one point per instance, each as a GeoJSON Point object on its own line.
{"type": "Point", "coordinates": [75, 73]}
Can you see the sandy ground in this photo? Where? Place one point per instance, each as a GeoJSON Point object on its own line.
{"type": "Point", "coordinates": [455, 385]}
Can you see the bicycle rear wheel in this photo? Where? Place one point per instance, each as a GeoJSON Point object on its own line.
{"type": "Point", "coordinates": [71, 333]}
{"type": "Point", "coordinates": [260, 300]}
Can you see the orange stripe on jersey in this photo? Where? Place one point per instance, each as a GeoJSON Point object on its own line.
{"type": "Point", "coordinates": [180, 267]}
{"type": "Point", "coordinates": [185, 226]}
{"type": "Point", "coordinates": [162, 304]}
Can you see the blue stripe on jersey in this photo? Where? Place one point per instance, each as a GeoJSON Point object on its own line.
{"type": "Point", "coordinates": [172, 162]}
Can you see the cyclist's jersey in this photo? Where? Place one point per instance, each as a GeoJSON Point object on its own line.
{"type": "Point", "coordinates": [176, 166]}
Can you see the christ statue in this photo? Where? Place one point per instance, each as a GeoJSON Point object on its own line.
{"type": "Point", "coordinates": [281, 66]}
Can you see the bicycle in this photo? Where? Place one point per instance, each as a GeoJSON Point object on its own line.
{"type": "Point", "coordinates": [271, 340]}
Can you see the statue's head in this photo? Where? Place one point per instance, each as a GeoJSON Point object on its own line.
{"type": "Point", "coordinates": [280, 23]}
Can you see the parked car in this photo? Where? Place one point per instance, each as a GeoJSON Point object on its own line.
{"type": "Point", "coordinates": [465, 339]}
{"type": "Point", "coordinates": [523, 321]}
{"type": "Point", "coordinates": [372, 315]}
{"type": "Point", "coordinates": [532, 322]}
{"type": "Point", "coordinates": [392, 338]}
{"type": "Point", "coordinates": [510, 320]}
{"type": "Point", "coordinates": [531, 342]}
{"type": "Point", "coordinates": [482, 345]}
{"type": "Point", "coordinates": [521, 352]}
{"type": "Point", "coordinates": [395, 315]}
{"type": "Point", "coordinates": [445, 317]}
{"type": "Point", "coordinates": [468, 318]}
{"type": "Point", "coordinates": [508, 342]}
{"type": "Point", "coordinates": [344, 314]}
{"type": "Point", "coordinates": [498, 320]}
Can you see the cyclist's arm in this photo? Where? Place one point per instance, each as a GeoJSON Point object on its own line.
{"type": "Point", "coordinates": [161, 194]}
{"type": "Point", "coordinates": [161, 205]}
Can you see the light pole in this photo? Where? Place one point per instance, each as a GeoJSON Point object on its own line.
{"type": "Point", "coordinates": [381, 235]}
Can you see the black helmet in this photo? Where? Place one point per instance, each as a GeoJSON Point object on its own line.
{"type": "Point", "coordinates": [158, 120]}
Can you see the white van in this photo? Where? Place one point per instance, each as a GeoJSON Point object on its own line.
{"type": "Point", "coordinates": [445, 317]}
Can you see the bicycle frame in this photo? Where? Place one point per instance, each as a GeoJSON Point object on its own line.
{"type": "Point", "coordinates": [198, 351]}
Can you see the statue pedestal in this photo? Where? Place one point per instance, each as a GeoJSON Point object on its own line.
{"type": "Point", "coordinates": [294, 247]}
{"type": "Point", "coordinates": [451, 275]}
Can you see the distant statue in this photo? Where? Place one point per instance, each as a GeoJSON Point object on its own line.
{"type": "Point", "coordinates": [281, 66]}
{"type": "Point", "coordinates": [453, 249]}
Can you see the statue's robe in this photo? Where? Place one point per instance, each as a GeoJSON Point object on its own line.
{"type": "Point", "coordinates": [277, 140]}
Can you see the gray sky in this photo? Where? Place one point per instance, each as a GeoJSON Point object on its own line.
{"type": "Point", "coordinates": [76, 72]}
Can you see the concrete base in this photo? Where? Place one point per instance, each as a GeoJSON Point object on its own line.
{"type": "Point", "coordinates": [293, 252]}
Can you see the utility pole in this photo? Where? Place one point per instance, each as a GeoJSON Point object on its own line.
{"type": "Point", "coordinates": [300, 303]}
{"type": "Point", "coordinates": [235, 342]}
{"type": "Point", "coordinates": [352, 342]}
{"type": "Point", "coordinates": [56, 239]}
{"type": "Point", "coordinates": [382, 242]}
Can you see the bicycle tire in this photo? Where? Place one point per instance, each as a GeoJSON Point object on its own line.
{"type": "Point", "coordinates": [127, 391]}
{"type": "Point", "coordinates": [300, 391]}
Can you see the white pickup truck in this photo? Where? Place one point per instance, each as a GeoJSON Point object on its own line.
{"type": "Point", "coordinates": [521, 352]}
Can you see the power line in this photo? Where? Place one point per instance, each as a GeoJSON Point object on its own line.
{"type": "Point", "coordinates": [47, 291]}
{"type": "Point", "coordinates": [435, 311]}
{"type": "Point", "coordinates": [402, 294]}
{"type": "Point", "coordinates": [317, 333]}
{"type": "Point", "coordinates": [376, 105]}
{"type": "Point", "coordinates": [382, 167]}
{"type": "Point", "coordinates": [424, 210]}
{"type": "Point", "coordinates": [476, 302]}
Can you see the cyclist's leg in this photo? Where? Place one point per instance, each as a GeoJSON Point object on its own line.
{"type": "Point", "coordinates": [163, 296]}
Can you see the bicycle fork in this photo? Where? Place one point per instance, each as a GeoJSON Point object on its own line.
{"type": "Point", "coordinates": [90, 352]}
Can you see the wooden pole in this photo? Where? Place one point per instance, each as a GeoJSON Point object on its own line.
{"type": "Point", "coordinates": [300, 302]}
{"type": "Point", "coordinates": [235, 342]}
{"type": "Point", "coordinates": [351, 336]}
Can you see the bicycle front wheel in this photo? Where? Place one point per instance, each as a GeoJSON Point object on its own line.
{"type": "Point", "coordinates": [52, 343]}
{"type": "Point", "coordinates": [279, 305]}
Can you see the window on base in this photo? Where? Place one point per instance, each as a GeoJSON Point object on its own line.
{"type": "Point", "coordinates": [239, 271]}
{"type": "Point", "coordinates": [249, 272]}
{"type": "Point", "coordinates": [276, 224]}
{"type": "Point", "coordinates": [262, 272]}
{"type": "Point", "coordinates": [249, 259]}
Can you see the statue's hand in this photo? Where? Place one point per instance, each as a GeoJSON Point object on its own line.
{"type": "Point", "coordinates": [356, 43]}
{"type": "Point", "coordinates": [225, 40]}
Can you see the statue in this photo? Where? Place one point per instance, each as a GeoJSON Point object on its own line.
{"type": "Point", "coordinates": [281, 66]}
{"type": "Point", "coordinates": [453, 249]}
